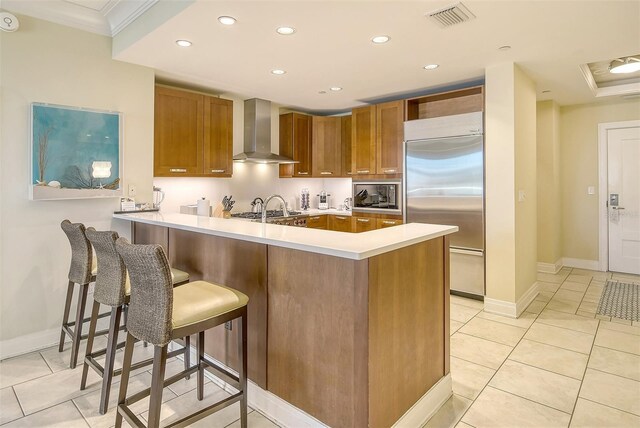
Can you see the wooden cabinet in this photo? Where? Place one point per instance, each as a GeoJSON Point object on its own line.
{"type": "Point", "coordinates": [327, 146]}
{"type": "Point", "coordinates": [389, 136]}
{"type": "Point", "coordinates": [218, 137]}
{"type": "Point", "coordinates": [362, 224]}
{"type": "Point", "coordinates": [295, 142]}
{"type": "Point", "coordinates": [347, 166]}
{"type": "Point", "coordinates": [317, 222]}
{"type": "Point", "coordinates": [363, 140]}
{"type": "Point", "coordinates": [339, 223]}
{"type": "Point", "coordinates": [381, 223]}
{"type": "Point", "coordinates": [377, 132]}
{"type": "Point", "coordinates": [459, 101]}
{"type": "Point", "coordinates": [193, 134]}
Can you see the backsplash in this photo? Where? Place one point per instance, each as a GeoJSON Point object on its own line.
{"type": "Point", "coordinates": [248, 182]}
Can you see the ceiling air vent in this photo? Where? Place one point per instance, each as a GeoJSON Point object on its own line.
{"type": "Point", "coordinates": [452, 15]}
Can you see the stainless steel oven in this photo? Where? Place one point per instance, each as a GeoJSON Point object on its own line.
{"type": "Point", "coordinates": [379, 196]}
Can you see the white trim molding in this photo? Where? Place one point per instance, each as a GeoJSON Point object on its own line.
{"type": "Point", "coordinates": [550, 267]}
{"type": "Point", "coordinates": [30, 342]}
{"type": "Point", "coordinates": [428, 405]}
{"type": "Point", "coordinates": [510, 309]}
{"type": "Point", "coordinates": [583, 264]}
{"type": "Point", "coordinates": [603, 224]}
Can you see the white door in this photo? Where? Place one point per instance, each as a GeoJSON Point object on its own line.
{"type": "Point", "coordinates": [623, 146]}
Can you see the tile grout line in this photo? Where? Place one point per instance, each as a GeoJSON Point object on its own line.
{"type": "Point", "coordinates": [80, 412]}
{"type": "Point", "coordinates": [615, 374]}
{"type": "Point", "coordinates": [19, 405]}
{"type": "Point", "coordinates": [610, 407]}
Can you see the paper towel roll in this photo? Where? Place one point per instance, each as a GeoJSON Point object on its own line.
{"type": "Point", "coordinates": [204, 207]}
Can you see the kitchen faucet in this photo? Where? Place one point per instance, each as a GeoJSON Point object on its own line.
{"type": "Point", "coordinates": [266, 202]}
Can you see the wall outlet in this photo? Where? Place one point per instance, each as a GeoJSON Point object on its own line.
{"type": "Point", "coordinates": [132, 190]}
{"type": "Point", "coordinates": [521, 195]}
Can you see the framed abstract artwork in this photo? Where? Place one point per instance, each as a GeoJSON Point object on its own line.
{"type": "Point", "coordinates": [75, 153]}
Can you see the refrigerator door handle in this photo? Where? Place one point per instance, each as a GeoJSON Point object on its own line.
{"type": "Point", "coordinates": [477, 253]}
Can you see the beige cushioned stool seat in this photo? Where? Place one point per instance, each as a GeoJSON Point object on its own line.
{"type": "Point", "coordinates": [178, 276]}
{"type": "Point", "coordinates": [201, 300]}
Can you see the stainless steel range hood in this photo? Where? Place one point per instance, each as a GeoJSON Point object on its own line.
{"type": "Point", "coordinates": [257, 134]}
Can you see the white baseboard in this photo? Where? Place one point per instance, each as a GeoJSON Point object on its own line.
{"type": "Point", "coordinates": [581, 263]}
{"type": "Point", "coordinates": [29, 343]}
{"type": "Point", "coordinates": [510, 309]}
{"type": "Point", "coordinates": [428, 405]}
{"type": "Point", "coordinates": [550, 267]}
{"type": "Point", "coordinates": [286, 415]}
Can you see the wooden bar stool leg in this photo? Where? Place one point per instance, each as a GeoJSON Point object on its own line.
{"type": "Point", "coordinates": [124, 379]}
{"type": "Point", "coordinates": [92, 331]}
{"type": "Point", "coordinates": [242, 349]}
{"type": "Point", "coordinates": [187, 354]}
{"type": "Point", "coordinates": [77, 332]}
{"type": "Point", "coordinates": [157, 385]}
{"type": "Point", "coordinates": [112, 344]}
{"type": "Point", "coordinates": [200, 346]}
{"type": "Point", "coordinates": [65, 316]}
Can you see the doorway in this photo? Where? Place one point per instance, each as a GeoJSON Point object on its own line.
{"type": "Point", "coordinates": [619, 201]}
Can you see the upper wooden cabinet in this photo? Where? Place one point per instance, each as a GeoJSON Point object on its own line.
{"type": "Point", "coordinates": [347, 165]}
{"type": "Point", "coordinates": [377, 132]}
{"type": "Point", "coordinates": [389, 133]}
{"type": "Point", "coordinates": [327, 146]}
{"type": "Point", "coordinates": [295, 142]}
{"type": "Point", "coordinates": [193, 134]}
{"type": "Point", "coordinates": [363, 140]}
{"type": "Point", "coordinates": [218, 136]}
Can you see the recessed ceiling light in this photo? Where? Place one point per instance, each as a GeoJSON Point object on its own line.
{"type": "Point", "coordinates": [629, 64]}
{"type": "Point", "coordinates": [227, 20]}
{"type": "Point", "coordinates": [546, 91]}
{"type": "Point", "coordinates": [431, 66]}
{"type": "Point", "coordinates": [322, 92]}
{"type": "Point", "coordinates": [336, 88]}
{"type": "Point", "coordinates": [278, 71]}
{"type": "Point", "coordinates": [380, 39]}
{"type": "Point", "coordinates": [183, 43]}
{"type": "Point", "coordinates": [285, 31]}
{"type": "Point", "coordinates": [504, 48]}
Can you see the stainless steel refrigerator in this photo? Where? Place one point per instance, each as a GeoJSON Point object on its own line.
{"type": "Point", "coordinates": [444, 184]}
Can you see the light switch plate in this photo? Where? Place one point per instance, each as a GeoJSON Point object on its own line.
{"type": "Point", "coordinates": [521, 195]}
{"type": "Point", "coordinates": [132, 190]}
{"type": "Point", "coordinates": [591, 190]}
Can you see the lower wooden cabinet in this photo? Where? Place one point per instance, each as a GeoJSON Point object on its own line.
{"type": "Point", "coordinates": [362, 224]}
{"type": "Point", "coordinates": [317, 222]}
{"type": "Point", "coordinates": [340, 223]}
{"type": "Point", "coordinates": [381, 223]}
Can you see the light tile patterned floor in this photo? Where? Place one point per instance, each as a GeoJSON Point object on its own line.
{"type": "Point", "coordinates": [557, 365]}
{"type": "Point", "coordinates": [39, 390]}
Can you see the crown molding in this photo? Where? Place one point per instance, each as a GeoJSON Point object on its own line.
{"type": "Point", "coordinates": [109, 21]}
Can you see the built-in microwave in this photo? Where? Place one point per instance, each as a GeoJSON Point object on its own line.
{"type": "Point", "coordinates": [380, 196]}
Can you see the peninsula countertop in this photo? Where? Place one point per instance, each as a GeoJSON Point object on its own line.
{"type": "Point", "coordinates": [355, 246]}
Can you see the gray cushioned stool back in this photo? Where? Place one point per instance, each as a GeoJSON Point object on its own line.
{"type": "Point", "coordinates": [81, 252]}
{"type": "Point", "coordinates": [110, 281]}
{"type": "Point", "coordinates": [151, 301]}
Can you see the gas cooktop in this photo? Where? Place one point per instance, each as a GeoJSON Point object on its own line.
{"type": "Point", "coordinates": [270, 214]}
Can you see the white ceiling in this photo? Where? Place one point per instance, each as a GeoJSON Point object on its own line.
{"type": "Point", "coordinates": [331, 47]}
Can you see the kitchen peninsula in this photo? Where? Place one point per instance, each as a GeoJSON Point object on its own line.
{"type": "Point", "coordinates": [353, 329]}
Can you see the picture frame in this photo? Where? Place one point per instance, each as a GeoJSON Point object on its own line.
{"type": "Point", "coordinates": [76, 153]}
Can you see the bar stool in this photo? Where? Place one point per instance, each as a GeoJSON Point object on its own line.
{"type": "Point", "coordinates": [113, 289]}
{"type": "Point", "coordinates": [158, 313]}
{"type": "Point", "coordinates": [82, 272]}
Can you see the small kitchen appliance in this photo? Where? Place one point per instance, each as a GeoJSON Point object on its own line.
{"type": "Point", "coordinates": [382, 196]}
{"type": "Point", "coordinates": [158, 197]}
{"type": "Point", "coordinates": [323, 200]}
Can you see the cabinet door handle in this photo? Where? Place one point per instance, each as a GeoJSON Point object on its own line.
{"type": "Point", "coordinates": [388, 222]}
{"type": "Point", "coordinates": [389, 171]}
{"type": "Point", "coordinates": [303, 173]}
{"type": "Point", "coordinates": [218, 170]}
{"type": "Point", "coordinates": [177, 169]}
{"type": "Point", "coordinates": [340, 218]}
{"type": "Point", "coordinates": [349, 173]}
{"type": "Point", "coordinates": [326, 173]}
{"type": "Point", "coordinates": [363, 171]}
{"type": "Point", "coordinates": [363, 220]}
{"type": "Point", "coordinates": [314, 218]}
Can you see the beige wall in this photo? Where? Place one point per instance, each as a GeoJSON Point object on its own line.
{"type": "Point", "coordinates": [549, 185]}
{"type": "Point", "coordinates": [579, 169]}
{"type": "Point", "coordinates": [49, 63]}
{"type": "Point", "coordinates": [526, 234]}
{"type": "Point", "coordinates": [510, 166]}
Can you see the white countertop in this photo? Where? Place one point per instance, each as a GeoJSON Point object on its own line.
{"type": "Point", "coordinates": [356, 246]}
